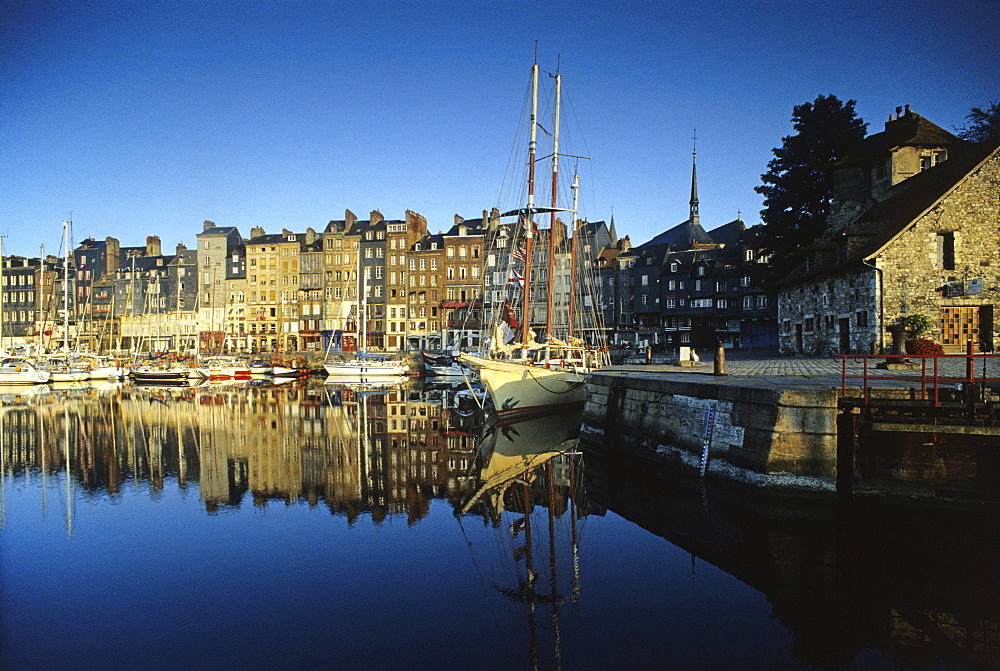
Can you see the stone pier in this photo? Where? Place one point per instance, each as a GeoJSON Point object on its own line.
{"type": "Point", "coordinates": [769, 434]}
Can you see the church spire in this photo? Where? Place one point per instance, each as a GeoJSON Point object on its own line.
{"type": "Point", "coordinates": [694, 181]}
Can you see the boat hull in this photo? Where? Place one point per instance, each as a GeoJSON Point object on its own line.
{"type": "Point", "coordinates": [521, 390]}
{"type": "Point", "coordinates": [363, 370]}
{"type": "Point", "coordinates": [21, 372]}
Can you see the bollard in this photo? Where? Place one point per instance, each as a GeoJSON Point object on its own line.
{"type": "Point", "coordinates": [649, 355]}
{"type": "Point", "coordinates": [720, 359]}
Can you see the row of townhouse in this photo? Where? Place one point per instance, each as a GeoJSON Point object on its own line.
{"type": "Point", "coordinates": [293, 292]}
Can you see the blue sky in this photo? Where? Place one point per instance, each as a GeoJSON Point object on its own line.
{"type": "Point", "coordinates": [146, 118]}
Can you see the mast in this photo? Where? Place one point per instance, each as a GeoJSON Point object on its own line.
{"type": "Point", "coordinates": [572, 257]}
{"type": "Point", "coordinates": [66, 286]}
{"type": "Point", "coordinates": [550, 288]}
{"type": "Point", "coordinates": [529, 211]}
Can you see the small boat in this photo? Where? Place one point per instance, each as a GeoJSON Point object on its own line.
{"type": "Point", "coordinates": [66, 370]}
{"type": "Point", "coordinates": [364, 367]}
{"type": "Point", "coordinates": [160, 375]}
{"type": "Point", "coordinates": [21, 371]}
{"type": "Point", "coordinates": [443, 364]}
{"type": "Point", "coordinates": [225, 368]}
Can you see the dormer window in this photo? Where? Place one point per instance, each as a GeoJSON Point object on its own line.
{"type": "Point", "coordinates": [674, 267]}
{"type": "Point", "coordinates": [701, 270]}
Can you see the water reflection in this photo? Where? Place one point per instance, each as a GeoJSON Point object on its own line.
{"type": "Point", "coordinates": [919, 583]}
{"type": "Point", "coordinates": [512, 500]}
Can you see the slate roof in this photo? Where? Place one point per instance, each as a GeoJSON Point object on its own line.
{"type": "Point", "coordinates": [728, 234]}
{"type": "Point", "coordinates": [681, 235]}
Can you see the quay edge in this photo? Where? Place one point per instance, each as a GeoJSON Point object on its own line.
{"type": "Point", "coordinates": [769, 436]}
{"type": "Point", "coordinates": [785, 436]}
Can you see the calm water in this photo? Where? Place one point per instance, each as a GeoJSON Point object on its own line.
{"type": "Point", "coordinates": [312, 526]}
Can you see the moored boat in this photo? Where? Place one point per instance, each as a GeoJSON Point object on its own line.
{"type": "Point", "coordinates": [525, 375]}
{"type": "Point", "coordinates": [21, 371]}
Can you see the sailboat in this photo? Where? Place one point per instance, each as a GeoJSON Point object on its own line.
{"type": "Point", "coordinates": [364, 367]}
{"type": "Point", "coordinates": [532, 377]}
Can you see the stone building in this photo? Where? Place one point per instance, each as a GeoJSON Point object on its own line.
{"type": "Point", "coordinates": [917, 231]}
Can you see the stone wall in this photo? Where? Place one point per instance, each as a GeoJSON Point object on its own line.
{"type": "Point", "coordinates": [820, 308]}
{"type": "Point", "coordinates": [760, 433]}
{"type": "Point", "coordinates": [914, 282]}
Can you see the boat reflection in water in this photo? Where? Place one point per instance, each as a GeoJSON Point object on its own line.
{"type": "Point", "coordinates": [529, 488]}
{"type": "Point", "coordinates": [313, 524]}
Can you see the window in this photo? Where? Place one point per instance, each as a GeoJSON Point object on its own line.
{"type": "Point", "coordinates": [671, 285]}
{"type": "Point", "coordinates": [761, 301]}
{"type": "Point", "coordinates": [747, 302]}
{"type": "Point", "coordinates": [861, 317]}
{"type": "Point", "coordinates": [670, 302]}
{"type": "Point", "coordinates": [745, 281]}
{"type": "Point", "coordinates": [944, 250]}
{"type": "Point", "coordinates": [674, 267]}
{"type": "Point", "coordinates": [644, 280]}
{"type": "Point", "coordinates": [701, 270]}
{"type": "Point", "coordinates": [809, 324]}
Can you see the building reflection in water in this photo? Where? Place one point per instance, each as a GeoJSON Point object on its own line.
{"type": "Point", "coordinates": [921, 586]}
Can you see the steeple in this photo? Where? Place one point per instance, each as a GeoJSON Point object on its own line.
{"type": "Point", "coordinates": [694, 181]}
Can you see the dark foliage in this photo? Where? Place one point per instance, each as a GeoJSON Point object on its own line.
{"type": "Point", "coordinates": [983, 124]}
{"type": "Point", "coordinates": [798, 185]}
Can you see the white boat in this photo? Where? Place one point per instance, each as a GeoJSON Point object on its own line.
{"type": "Point", "coordinates": [524, 376]}
{"type": "Point", "coordinates": [364, 367]}
{"type": "Point", "coordinates": [66, 370]}
{"type": "Point", "coordinates": [21, 371]}
{"type": "Point", "coordinates": [226, 368]}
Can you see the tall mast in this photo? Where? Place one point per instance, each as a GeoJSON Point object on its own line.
{"type": "Point", "coordinates": [530, 210]}
{"type": "Point", "coordinates": [550, 288]}
{"type": "Point", "coordinates": [66, 286]}
{"type": "Point", "coordinates": [572, 257]}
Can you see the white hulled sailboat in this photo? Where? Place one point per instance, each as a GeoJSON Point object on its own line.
{"type": "Point", "coordinates": [535, 377]}
{"type": "Point", "coordinates": [364, 367]}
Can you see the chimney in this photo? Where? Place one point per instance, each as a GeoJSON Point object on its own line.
{"type": "Point", "coordinates": [207, 225]}
{"type": "Point", "coordinates": [458, 219]}
{"type": "Point", "coordinates": [310, 236]}
{"type": "Point", "coordinates": [256, 232]}
{"type": "Point", "coordinates": [349, 219]}
{"type": "Point", "coordinates": [113, 253]}
{"type": "Point", "coordinates": [907, 108]}
{"type": "Point", "coordinates": [181, 248]}
{"type": "Point", "coordinates": [375, 217]}
{"type": "Point", "coordinates": [153, 245]}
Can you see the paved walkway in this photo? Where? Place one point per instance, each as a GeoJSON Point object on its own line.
{"type": "Point", "coordinates": [825, 369]}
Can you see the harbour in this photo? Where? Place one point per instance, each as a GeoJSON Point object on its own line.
{"type": "Point", "coordinates": [240, 523]}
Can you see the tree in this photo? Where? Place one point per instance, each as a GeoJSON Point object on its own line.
{"type": "Point", "coordinates": [798, 185]}
{"type": "Point", "coordinates": [982, 125]}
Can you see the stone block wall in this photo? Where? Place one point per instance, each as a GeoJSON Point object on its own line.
{"type": "Point", "coordinates": [756, 430]}
{"type": "Point", "coordinates": [914, 281]}
{"type": "Point", "coordinates": [819, 308]}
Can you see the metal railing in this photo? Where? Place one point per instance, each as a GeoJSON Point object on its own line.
{"type": "Point", "coordinates": [935, 371]}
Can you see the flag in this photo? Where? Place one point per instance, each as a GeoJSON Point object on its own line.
{"type": "Point", "coordinates": [516, 279]}
{"type": "Point", "coordinates": [543, 129]}
{"type": "Point", "coordinates": [519, 254]}
{"type": "Point", "coordinates": [508, 322]}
